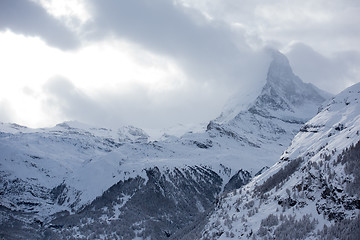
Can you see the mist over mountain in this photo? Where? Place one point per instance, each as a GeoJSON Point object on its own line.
{"type": "Point", "coordinates": [75, 181]}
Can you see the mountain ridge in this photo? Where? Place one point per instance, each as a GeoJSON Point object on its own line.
{"type": "Point", "coordinates": [51, 177]}
{"type": "Point", "coordinates": [282, 91]}
{"type": "Point", "coordinates": [309, 192]}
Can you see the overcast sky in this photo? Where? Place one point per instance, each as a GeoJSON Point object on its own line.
{"type": "Point", "coordinates": [157, 63]}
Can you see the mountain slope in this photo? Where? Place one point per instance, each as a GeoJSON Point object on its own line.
{"type": "Point", "coordinates": [72, 179]}
{"type": "Point", "coordinates": [311, 192]}
{"type": "Point", "coordinates": [266, 126]}
{"type": "Point", "coordinates": [284, 96]}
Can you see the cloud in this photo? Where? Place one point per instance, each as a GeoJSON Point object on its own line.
{"type": "Point", "coordinates": [328, 27]}
{"type": "Point", "coordinates": [214, 67]}
{"type": "Point", "coordinates": [324, 25]}
{"type": "Point", "coordinates": [138, 106]}
{"type": "Point", "coordinates": [178, 60]}
{"type": "Point", "coordinates": [214, 41]}
{"type": "Point", "coordinates": [69, 102]}
{"type": "Point", "coordinates": [6, 112]}
{"type": "Point", "coordinates": [207, 51]}
{"type": "Point", "coordinates": [28, 18]}
{"type": "Point", "coordinates": [332, 74]}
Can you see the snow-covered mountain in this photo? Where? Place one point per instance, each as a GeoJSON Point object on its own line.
{"type": "Point", "coordinates": [283, 96]}
{"type": "Point", "coordinates": [266, 125]}
{"type": "Point", "coordinates": [77, 180]}
{"type": "Point", "coordinates": [312, 192]}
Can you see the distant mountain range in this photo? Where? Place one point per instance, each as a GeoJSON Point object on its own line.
{"type": "Point", "coordinates": [75, 181]}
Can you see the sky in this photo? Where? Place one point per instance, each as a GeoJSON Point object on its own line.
{"type": "Point", "coordinates": [155, 64]}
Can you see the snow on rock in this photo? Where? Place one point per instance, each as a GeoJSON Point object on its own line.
{"type": "Point", "coordinates": [63, 170]}
{"type": "Point", "coordinates": [89, 160]}
{"type": "Point", "coordinates": [309, 193]}
{"type": "Point", "coordinates": [265, 126]}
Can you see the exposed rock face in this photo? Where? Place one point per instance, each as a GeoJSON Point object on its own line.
{"type": "Point", "coordinates": [240, 179]}
{"type": "Point", "coordinates": [158, 207]}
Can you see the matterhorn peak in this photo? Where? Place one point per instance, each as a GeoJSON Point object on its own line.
{"type": "Point", "coordinates": [279, 62]}
{"type": "Point", "coordinates": [285, 95]}
{"type": "Point", "coordinates": [280, 71]}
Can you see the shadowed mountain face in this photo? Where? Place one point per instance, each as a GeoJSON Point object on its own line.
{"type": "Point", "coordinates": [159, 206]}
{"type": "Point", "coordinates": [76, 181]}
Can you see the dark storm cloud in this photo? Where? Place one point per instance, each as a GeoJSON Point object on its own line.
{"type": "Point", "coordinates": [28, 18]}
{"type": "Point", "coordinates": [332, 74]}
{"type": "Point", "coordinates": [205, 50]}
